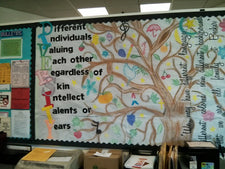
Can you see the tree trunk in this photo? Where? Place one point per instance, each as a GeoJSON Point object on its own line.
{"type": "Point", "coordinates": [178, 126]}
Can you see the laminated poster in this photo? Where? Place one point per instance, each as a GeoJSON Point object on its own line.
{"type": "Point", "coordinates": [5, 100]}
{"type": "Point", "coordinates": [142, 82]}
{"type": "Point", "coordinates": [5, 73]}
{"type": "Point", "coordinates": [5, 125]}
{"type": "Point", "coordinates": [20, 123]}
{"type": "Point", "coordinates": [20, 73]}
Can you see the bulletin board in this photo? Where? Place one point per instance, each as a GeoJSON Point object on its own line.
{"type": "Point", "coordinates": [123, 80]}
{"type": "Point", "coordinates": [15, 81]}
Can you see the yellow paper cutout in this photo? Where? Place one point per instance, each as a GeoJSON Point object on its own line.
{"type": "Point", "coordinates": [142, 80]}
{"type": "Point", "coordinates": [194, 97]}
{"type": "Point", "coordinates": [189, 23]}
{"type": "Point", "coordinates": [95, 39]}
{"type": "Point", "coordinates": [95, 107]}
{"type": "Point", "coordinates": [187, 56]}
{"type": "Point", "coordinates": [161, 104]}
{"type": "Point", "coordinates": [48, 113]}
{"type": "Point", "coordinates": [177, 36]}
{"type": "Point", "coordinates": [129, 51]}
{"type": "Point", "coordinates": [212, 129]}
{"type": "Point", "coordinates": [142, 115]}
{"type": "Point", "coordinates": [39, 154]}
{"type": "Point", "coordinates": [169, 88]}
{"type": "Point", "coordinates": [98, 78]}
{"type": "Point", "coordinates": [168, 64]}
{"type": "Point", "coordinates": [5, 73]}
{"type": "Point", "coordinates": [220, 40]}
{"type": "Point", "coordinates": [74, 82]}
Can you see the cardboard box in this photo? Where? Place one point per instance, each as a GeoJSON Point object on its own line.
{"type": "Point", "coordinates": [95, 162]}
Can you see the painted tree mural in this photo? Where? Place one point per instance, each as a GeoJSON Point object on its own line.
{"type": "Point", "coordinates": [156, 75]}
{"type": "Point", "coordinates": [140, 82]}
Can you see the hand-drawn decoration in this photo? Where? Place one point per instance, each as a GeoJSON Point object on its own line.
{"type": "Point", "coordinates": [222, 25]}
{"type": "Point", "coordinates": [154, 28]}
{"type": "Point", "coordinates": [124, 27]}
{"type": "Point", "coordinates": [159, 82]}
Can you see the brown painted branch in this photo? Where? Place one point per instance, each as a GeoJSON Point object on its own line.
{"type": "Point", "coordinates": [143, 34]}
{"type": "Point", "coordinates": [105, 28]}
{"type": "Point", "coordinates": [215, 97]}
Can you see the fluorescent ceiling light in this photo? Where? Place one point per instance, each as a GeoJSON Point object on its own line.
{"type": "Point", "coordinates": [155, 7]}
{"type": "Point", "coordinates": [93, 11]}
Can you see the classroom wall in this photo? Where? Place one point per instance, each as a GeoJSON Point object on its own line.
{"type": "Point", "coordinates": [11, 16]}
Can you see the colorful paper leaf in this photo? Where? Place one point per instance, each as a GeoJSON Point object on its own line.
{"type": "Point", "coordinates": [111, 78]}
{"type": "Point", "coordinates": [156, 56]}
{"type": "Point", "coordinates": [154, 98]}
{"type": "Point", "coordinates": [135, 56]}
{"type": "Point", "coordinates": [159, 129]}
{"type": "Point", "coordinates": [94, 56]}
{"type": "Point", "coordinates": [78, 66]}
{"type": "Point", "coordinates": [209, 73]}
{"type": "Point", "coordinates": [133, 133]}
{"type": "Point", "coordinates": [131, 119]}
{"type": "Point", "coordinates": [204, 48]}
{"type": "Point", "coordinates": [137, 123]}
{"type": "Point", "coordinates": [176, 82]}
{"type": "Point", "coordinates": [76, 121]}
{"type": "Point", "coordinates": [91, 74]}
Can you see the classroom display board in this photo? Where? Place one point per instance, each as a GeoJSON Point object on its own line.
{"type": "Point", "coordinates": [138, 80]}
{"type": "Point", "coordinates": [15, 60]}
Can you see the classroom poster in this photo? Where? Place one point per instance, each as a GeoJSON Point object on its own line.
{"type": "Point", "coordinates": [142, 82]}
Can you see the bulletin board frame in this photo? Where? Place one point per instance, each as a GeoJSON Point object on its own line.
{"type": "Point", "coordinates": [33, 80]}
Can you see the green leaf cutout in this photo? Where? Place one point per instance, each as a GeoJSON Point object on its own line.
{"type": "Point", "coordinates": [111, 78]}
{"type": "Point", "coordinates": [156, 56]}
{"type": "Point", "coordinates": [133, 133]}
{"type": "Point", "coordinates": [159, 129]}
{"type": "Point", "coordinates": [176, 82]}
{"type": "Point", "coordinates": [204, 48]}
{"type": "Point", "coordinates": [76, 121]}
{"type": "Point", "coordinates": [94, 56]}
{"type": "Point", "coordinates": [135, 56]}
{"type": "Point", "coordinates": [209, 73]}
{"type": "Point", "coordinates": [91, 74]}
{"type": "Point", "coordinates": [137, 123]}
{"type": "Point", "coordinates": [102, 39]}
{"type": "Point", "coordinates": [154, 98]}
{"type": "Point", "coordinates": [116, 129]}
{"type": "Point", "coordinates": [78, 66]}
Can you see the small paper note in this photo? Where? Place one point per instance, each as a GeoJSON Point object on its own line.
{"type": "Point", "coordinates": [60, 159]}
{"type": "Point", "coordinates": [201, 144]}
{"type": "Point", "coordinates": [102, 154]}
